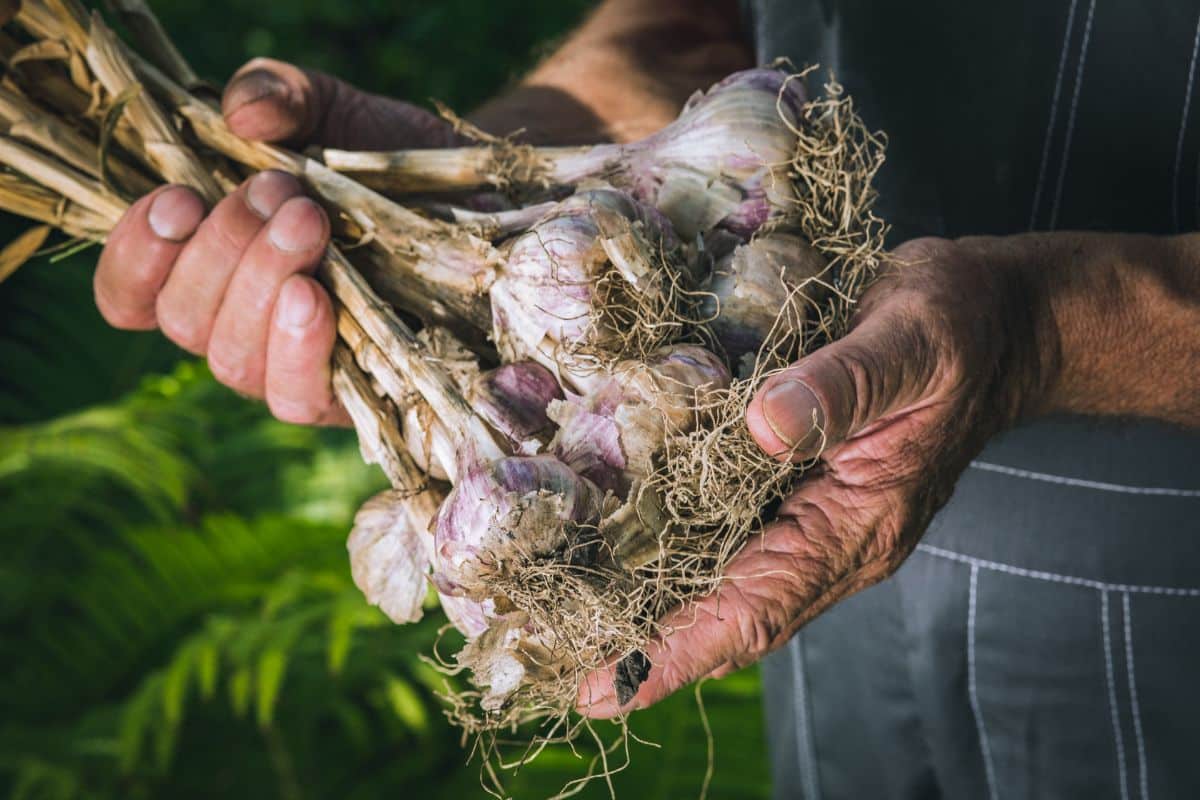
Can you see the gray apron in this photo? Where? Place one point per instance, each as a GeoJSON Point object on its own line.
{"type": "Point", "coordinates": [1044, 640]}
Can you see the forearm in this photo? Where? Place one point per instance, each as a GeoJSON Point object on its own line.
{"type": "Point", "coordinates": [624, 74]}
{"type": "Point", "coordinates": [1117, 319]}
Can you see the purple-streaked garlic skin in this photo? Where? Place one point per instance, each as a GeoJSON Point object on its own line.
{"type": "Point", "coordinates": [470, 526]}
{"type": "Point", "coordinates": [512, 399]}
{"type": "Point", "coordinates": [589, 436]}
{"type": "Point", "coordinates": [749, 287]}
{"type": "Point", "coordinates": [469, 616]}
{"type": "Point", "coordinates": [723, 162]}
{"type": "Point", "coordinates": [612, 434]}
{"type": "Point", "coordinates": [544, 300]}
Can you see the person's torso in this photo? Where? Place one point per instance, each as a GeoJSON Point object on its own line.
{"type": "Point", "coordinates": [1003, 117]}
{"type": "Point", "coordinates": [1042, 114]}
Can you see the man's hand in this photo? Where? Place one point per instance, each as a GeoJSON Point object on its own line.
{"type": "Point", "coordinates": [234, 282]}
{"type": "Point", "coordinates": [956, 342]}
{"type": "Point", "coordinates": [943, 353]}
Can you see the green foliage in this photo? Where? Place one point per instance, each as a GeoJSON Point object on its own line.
{"type": "Point", "coordinates": [176, 613]}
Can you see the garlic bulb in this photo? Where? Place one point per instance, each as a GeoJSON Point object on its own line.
{"type": "Point", "coordinates": [515, 506]}
{"type": "Point", "coordinates": [512, 400]}
{"type": "Point", "coordinates": [760, 284]}
{"type": "Point", "coordinates": [612, 434]}
{"type": "Point", "coordinates": [547, 301]}
{"type": "Point", "coordinates": [725, 160]}
{"type": "Point", "coordinates": [391, 555]}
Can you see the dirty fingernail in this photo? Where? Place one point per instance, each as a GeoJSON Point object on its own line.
{"type": "Point", "coordinates": [794, 413]}
{"type": "Point", "coordinates": [253, 86]}
{"type": "Point", "coordinates": [269, 190]}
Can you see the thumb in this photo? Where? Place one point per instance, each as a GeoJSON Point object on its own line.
{"type": "Point", "coordinates": [881, 365]}
{"type": "Point", "coordinates": [273, 101]}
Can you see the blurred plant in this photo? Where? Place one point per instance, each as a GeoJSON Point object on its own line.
{"type": "Point", "coordinates": [177, 617]}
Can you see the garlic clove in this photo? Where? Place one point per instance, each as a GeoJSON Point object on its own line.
{"type": "Point", "coordinates": [751, 288]}
{"type": "Point", "coordinates": [513, 399]}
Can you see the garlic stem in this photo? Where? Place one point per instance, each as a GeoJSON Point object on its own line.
{"type": "Point", "coordinates": [725, 160]}
{"type": "Point", "coordinates": [494, 225]}
{"type": "Point", "coordinates": [452, 264]}
{"type": "Point", "coordinates": [464, 168]}
{"type": "Point", "coordinates": [28, 123]}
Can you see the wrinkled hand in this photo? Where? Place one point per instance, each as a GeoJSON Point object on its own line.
{"type": "Point", "coordinates": [234, 282]}
{"type": "Point", "coordinates": [943, 353]}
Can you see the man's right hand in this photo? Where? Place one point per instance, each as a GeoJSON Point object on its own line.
{"type": "Point", "coordinates": [233, 283]}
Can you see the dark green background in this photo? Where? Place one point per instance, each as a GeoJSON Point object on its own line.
{"type": "Point", "coordinates": [176, 613]}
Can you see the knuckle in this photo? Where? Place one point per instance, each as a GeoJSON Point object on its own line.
{"type": "Point", "coordinates": [258, 63]}
{"type": "Point", "coordinates": [140, 277]}
{"type": "Point", "coordinates": [923, 250]}
{"type": "Point", "coordinates": [221, 236]}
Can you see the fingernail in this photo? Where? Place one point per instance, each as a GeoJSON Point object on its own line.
{"type": "Point", "coordinates": [596, 697]}
{"type": "Point", "coordinates": [176, 213]}
{"type": "Point", "coordinates": [298, 304]}
{"type": "Point", "coordinates": [269, 190]}
{"type": "Point", "coordinates": [299, 225]}
{"type": "Point", "coordinates": [794, 413]}
{"type": "Point", "coordinates": [252, 87]}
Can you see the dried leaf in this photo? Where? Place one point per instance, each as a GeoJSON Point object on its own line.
{"type": "Point", "coordinates": [21, 249]}
{"type": "Point", "coordinates": [45, 50]}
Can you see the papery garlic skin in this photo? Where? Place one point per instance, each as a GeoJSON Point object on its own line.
{"type": "Point", "coordinates": [612, 434]}
{"type": "Point", "coordinates": [469, 616]}
{"type": "Point", "coordinates": [515, 506]}
{"type": "Point", "coordinates": [545, 299]}
{"type": "Point", "coordinates": [391, 552]}
{"type": "Point", "coordinates": [391, 556]}
{"type": "Point", "coordinates": [750, 287]}
{"type": "Point", "coordinates": [512, 399]}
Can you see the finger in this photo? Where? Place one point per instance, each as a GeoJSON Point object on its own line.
{"type": "Point", "coordinates": [722, 632]}
{"type": "Point", "coordinates": [188, 304]}
{"type": "Point", "coordinates": [292, 242]}
{"type": "Point", "coordinates": [140, 253]}
{"type": "Point", "coordinates": [274, 101]}
{"type": "Point", "coordinates": [298, 355]}
{"type": "Point", "coordinates": [830, 540]}
{"type": "Point", "coordinates": [835, 393]}
{"type": "Point", "coordinates": [815, 554]}
{"type": "Point", "coordinates": [724, 671]}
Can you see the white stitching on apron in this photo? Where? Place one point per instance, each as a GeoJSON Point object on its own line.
{"type": "Point", "coordinates": [1014, 472]}
{"type": "Point", "coordinates": [1143, 778]}
{"type": "Point", "coordinates": [1118, 737]}
{"type": "Point", "coordinates": [1062, 169]}
{"type": "Point", "coordinates": [1172, 591]}
{"type": "Point", "coordinates": [1183, 121]}
{"type": "Point", "coordinates": [972, 687]}
{"type": "Point", "coordinates": [809, 787]}
{"type": "Point", "coordinates": [1062, 64]}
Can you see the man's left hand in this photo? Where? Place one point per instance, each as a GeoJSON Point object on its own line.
{"type": "Point", "coordinates": [945, 350]}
